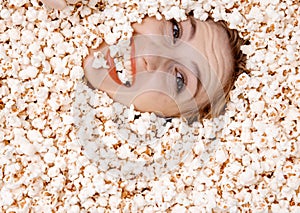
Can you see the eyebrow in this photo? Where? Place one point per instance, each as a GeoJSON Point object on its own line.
{"type": "Point", "coordinates": [193, 29]}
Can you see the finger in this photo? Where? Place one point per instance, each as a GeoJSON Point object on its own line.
{"type": "Point", "coordinates": [72, 1]}
{"type": "Point", "coordinates": [56, 4]}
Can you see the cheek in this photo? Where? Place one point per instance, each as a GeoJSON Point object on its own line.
{"type": "Point", "coordinates": [156, 102]}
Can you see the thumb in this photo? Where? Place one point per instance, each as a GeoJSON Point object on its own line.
{"type": "Point", "coordinates": [72, 1]}
{"type": "Point", "coordinates": [56, 4]}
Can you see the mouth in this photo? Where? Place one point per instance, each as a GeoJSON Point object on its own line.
{"type": "Point", "coordinates": [112, 68]}
{"type": "Point", "coordinates": [124, 72]}
{"type": "Point", "coordinates": [132, 60]}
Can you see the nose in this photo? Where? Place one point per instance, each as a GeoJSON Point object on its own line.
{"type": "Point", "coordinates": [147, 25]}
{"type": "Point", "coordinates": [151, 63]}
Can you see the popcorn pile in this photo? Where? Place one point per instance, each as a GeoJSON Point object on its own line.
{"type": "Point", "coordinates": [65, 147]}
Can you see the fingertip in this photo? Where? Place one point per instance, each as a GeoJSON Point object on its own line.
{"type": "Point", "coordinates": [57, 4]}
{"type": "Point", "coordinates": [72, 1]}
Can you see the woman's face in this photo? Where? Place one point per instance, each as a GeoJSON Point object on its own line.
{"type": "Point", "coordinates": [177, 67]}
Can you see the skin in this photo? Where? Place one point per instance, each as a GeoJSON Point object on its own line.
{"type": "Point", "coordinates": [201, 54]}
{"type": "Point", "coordinates": [58, 4]}
{"type": "Point", "coordinates": [159, 58]}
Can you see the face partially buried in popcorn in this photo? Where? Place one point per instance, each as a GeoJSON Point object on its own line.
{"type": "Point", "coordinates": [170, 68]}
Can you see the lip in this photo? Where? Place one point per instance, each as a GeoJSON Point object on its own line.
{"type": "Point", "coordinates": [132, 60]}
{"type": "Point", "coordinates": [112, 68]}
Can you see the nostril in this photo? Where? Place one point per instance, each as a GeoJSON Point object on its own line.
{"type": "Point", "coordinates": [146, 65]}
{"type": "Point", "coordinates": [145, 62]}
{"type": "Point", "coordinates": [149, 66]}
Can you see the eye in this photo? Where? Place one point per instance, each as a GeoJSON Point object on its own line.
{"type": "Point", "coordinates": [179, 81]}
{"type": "Point", "coordinates": [176, 31]}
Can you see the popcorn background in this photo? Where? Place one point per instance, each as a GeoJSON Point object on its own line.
{"type": "Point", "coordinates": [246, 160]}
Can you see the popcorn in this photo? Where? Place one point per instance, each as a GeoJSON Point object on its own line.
{"type": "Point", "coordinates": [247, 177]}
{"type": "Point", "coordinates": [220, 156]}
{"type": "Point", "coordinates": [31, 14]}
{"type": "Point", "coordinates": [49, 157]}
{"type": "Point", "coordinates": [235, 18]}
{"type": "Point", "coordinates": [17, 18]}
{"type": "Point", "coordinates": [114, 201]}
{"type": "Point", "coordinates": [76, 73]}
{"type": "Point", "coordinates": [34, 136]}
{"type": "Point", "coordinates": [29, 72]}
{"type": "Point", "coordinates": [257, 107]}
{"type": "Point", "coordinates": [176, 13]}
{"type": "Point", "coordinates": [248, 49]}
{"type": "Point", "coordinates": [132, 160]}
{"type": "Point", "coordinates": [2, 28]}
{"type": "Point", "coordinates": [255, 13]}
{"type": "Point", "coordinates": [99, 61]}
{"type": "Point", "coordinates": [111, 38]}
{"type": "Point", "coordinates": [4, 13]}
{"type": "Point", "coordinates": [178, 208]}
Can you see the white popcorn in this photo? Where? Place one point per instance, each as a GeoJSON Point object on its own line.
{"type": "Point", "coordinates": [176, 13]}
{"type": "Point", "coordinates": [4, 13]}
{"type": "Point", "coordinates": [253, 95]}
{"type": "Point", "coordinates": [76, 73]}
{"type": "Point", "coordinates": [90, 171]}
{"type": "Point", "coordinates": [27, 37]}
{"type": "Point", "coordinates": [17, 18]}
{"type": "Point", "coordinates": [248, 49]}
{"type": "Point", "coordinates": [255, 13]}
{"type": "Point", "coordinates": [31, 14]}
{"type": "Point", "coordinates": [272, 13]}
{"type": "Point", "coordinates": [242, 80]}
{"type": "Point", "coordinates": [35, 136]}
{"type": "Point", "coordinates": [178, 208]}
{"type": "Point", "coordinates": [248, 155]}
{"type": "Point", "coordinates": [56, 38]}
{"type": "Point", "coordinates": [221, 156]}
{"type": "Point", "coordinates": [114, 201]}
{"type": "Point", "coordinates": [49, 157]}
{"type": "Point", "coordinates": [258, 107]}
{"type": "Point", "coordinates": [74, 209]}
{"type": "Point", "coordinates": [85, 11]}
{"type": "Point", "coordinates": [6, 197]}
{"type": "Point", "coordinates": [100, 63]}
{"type": "Point", "coordinates": [14, 34]}
{"type": "Point", "coordinates": [124, 152]}
{"type": "Point", "coordinates": [1, 136]}
{"type": "Point", "coordinates": [111, 38]}
{"type": "Point", "coordinates": [25, 147]}
{"type": "Point", "coordinates": [247, 177]}
{"type": "Point", "coordinates": [235, 18]}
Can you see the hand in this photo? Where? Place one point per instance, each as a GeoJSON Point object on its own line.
{"type": "Point", "coordinates": [58, 4]}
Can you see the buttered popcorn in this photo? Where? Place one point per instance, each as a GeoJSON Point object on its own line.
{"type": "Point", "coordinates": [65, 147]}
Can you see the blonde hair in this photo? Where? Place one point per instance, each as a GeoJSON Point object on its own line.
{"type": "Point", "coordinates": [217, 106]}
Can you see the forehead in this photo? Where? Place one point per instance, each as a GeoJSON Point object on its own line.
{"type": "Point", "coordinates": [214, 57]}
{"type": "Point", "coordinates": [212, 42]}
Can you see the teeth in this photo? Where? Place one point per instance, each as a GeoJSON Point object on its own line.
{"type": "Point", "coordinates": [127, 65]}
{"type": "Point", "coordinates": [118, 64]}
{"type": "Point", "coordinates": [122, 60]}
{"type": "Point", "coordinates": [125, 77]}
{"type": "Point", "coordinates": [121, 54]}
{"type": "Point", "coordinates": [127, 57]}
{"type": "Point", "coordinates": [113, 50]}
